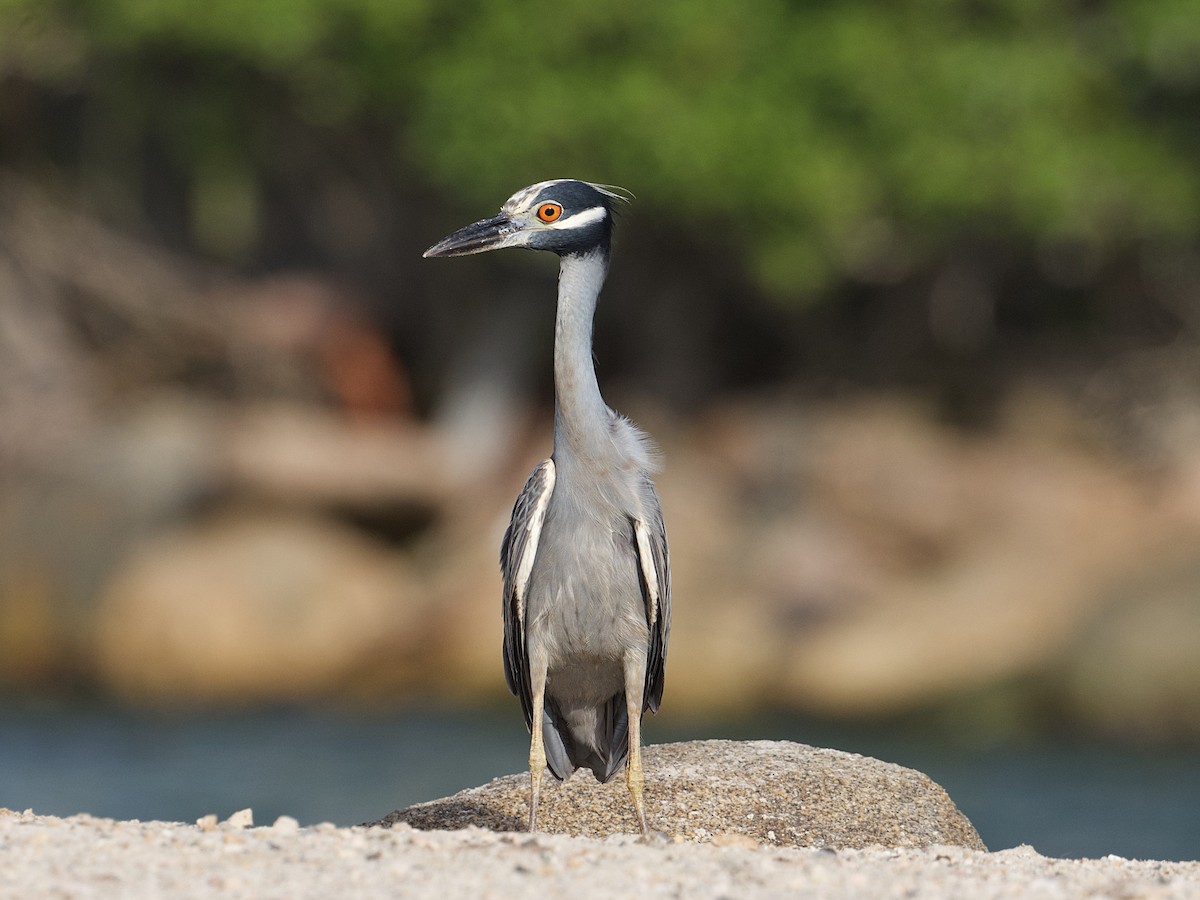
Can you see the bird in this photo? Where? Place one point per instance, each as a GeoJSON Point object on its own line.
{"type": "Point", "coordinates": [586, 601]}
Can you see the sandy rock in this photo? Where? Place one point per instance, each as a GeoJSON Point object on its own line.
{"type": "Point", "coordinates": [773, 792]}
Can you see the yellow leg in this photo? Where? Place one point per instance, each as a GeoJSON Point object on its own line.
{"type": "Point", "coordinates": [537, 752]}
{"type": "Point", "coordinates": [633, 768]}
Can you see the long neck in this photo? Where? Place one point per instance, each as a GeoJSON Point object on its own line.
{"type": "Point", "coordinates": [581, 417]}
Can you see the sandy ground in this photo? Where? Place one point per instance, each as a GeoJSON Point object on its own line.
{"type": "Point", "coordinates": [83, 857]}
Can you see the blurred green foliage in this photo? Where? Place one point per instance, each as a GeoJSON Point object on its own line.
{"type": "Point", "coordinates": [821, 140]}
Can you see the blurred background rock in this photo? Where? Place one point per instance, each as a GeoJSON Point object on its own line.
{"type": "Point", "coordinates": [909, 298]}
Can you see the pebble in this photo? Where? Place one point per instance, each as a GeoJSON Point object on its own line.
{"type": "Point", "coordinates": [243, 818]}
{"type": "Point", "coordinates": [285, 825]}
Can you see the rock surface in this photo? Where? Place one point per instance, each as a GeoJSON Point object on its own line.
{"type": "Point", "coordinates": [763, 792]}
{"type": "Point", "coordinates": [83, 856]}
{"type": "Point", "coordinates": [877, 560]}
{"type": "Point", "coordinates": [287, 603]}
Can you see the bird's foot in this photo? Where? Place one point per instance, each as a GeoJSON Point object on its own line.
{"type": "Point", "coordinates": [634, 778]}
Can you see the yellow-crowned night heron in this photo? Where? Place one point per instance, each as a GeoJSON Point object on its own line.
{"type": "Point", "coordinates": [587, 584]}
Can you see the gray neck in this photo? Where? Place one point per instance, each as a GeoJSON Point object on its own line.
{"type": "Point", "coordinates": [581, 418]}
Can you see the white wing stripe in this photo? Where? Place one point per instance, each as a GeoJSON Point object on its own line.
{"type": "Point", "coordinates": [649, 574]}
{"type": "Point", "coordinates": [534, 531]}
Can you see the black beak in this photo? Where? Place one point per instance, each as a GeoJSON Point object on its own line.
{"type": "Point", "coordinates": [481, 236]}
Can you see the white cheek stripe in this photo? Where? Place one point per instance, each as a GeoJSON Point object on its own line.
{"type": "Point", "coordinates": [587, 217]}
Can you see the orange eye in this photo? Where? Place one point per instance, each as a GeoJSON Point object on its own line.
{"type": "Point", "coordinates": [549, 212]}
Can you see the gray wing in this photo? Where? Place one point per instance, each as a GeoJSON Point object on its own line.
{"type": "Point", "coordinates": [654, 567]}
{"type": "Point", "coordinates": [517, 553]}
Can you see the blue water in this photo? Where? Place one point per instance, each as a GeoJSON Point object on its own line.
{"type": "Point", "coordinates": [1066, 799]}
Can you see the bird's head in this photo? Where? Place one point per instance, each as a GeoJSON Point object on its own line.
{"type": "Point", "coordinates": [563, 216]}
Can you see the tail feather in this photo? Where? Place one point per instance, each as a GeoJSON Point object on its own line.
{"type": "Point", "coordinates": [603, 747]}
{"type": "Point", "coordinates": [558, 757]}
